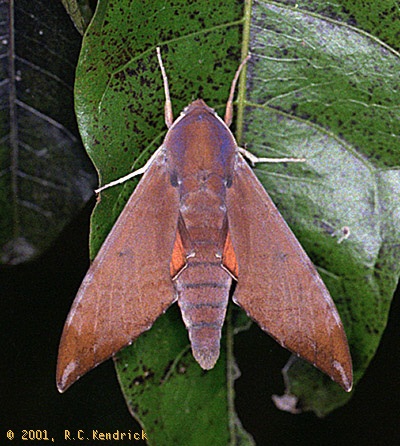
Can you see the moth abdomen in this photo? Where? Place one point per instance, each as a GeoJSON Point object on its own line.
{"type": "Point", "coordinates": [203, 292]}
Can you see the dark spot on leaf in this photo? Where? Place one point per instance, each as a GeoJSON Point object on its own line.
{"type": "Point", "coordinates": [166, 370]}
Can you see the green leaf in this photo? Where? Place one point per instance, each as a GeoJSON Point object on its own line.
{"type": "Point", "coordinates": [328, 92]}
{"type": "Point", "coordinates": [316, 88]}
{"type": "Point", "coordinates": [168, 391]}
{"type": "Point", "coordinates": [45, 176]}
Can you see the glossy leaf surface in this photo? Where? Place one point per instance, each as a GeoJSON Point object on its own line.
{"type": "Point", "coordinates": [45, 176]}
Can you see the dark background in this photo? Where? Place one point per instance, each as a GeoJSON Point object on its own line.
{"type": "Point", "coordinates": [35, 299]}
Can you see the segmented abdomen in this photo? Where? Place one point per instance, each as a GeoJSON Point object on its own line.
{"type": "Point", "coordinates": [203, 291]}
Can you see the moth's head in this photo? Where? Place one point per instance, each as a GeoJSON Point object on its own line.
{"type": "Point", "coordinates": [198, 104]}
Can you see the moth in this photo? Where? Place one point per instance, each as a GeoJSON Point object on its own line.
{"type": "Point", "coordinates": [198, 219]}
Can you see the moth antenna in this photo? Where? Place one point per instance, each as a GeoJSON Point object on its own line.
{"type": "Point", "coordinates": [169, 117]}
{"type": "Point", "coordinates": [229, 104]}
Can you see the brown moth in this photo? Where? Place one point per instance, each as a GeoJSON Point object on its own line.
{"type": "Point", "coordinates": [199, 219]}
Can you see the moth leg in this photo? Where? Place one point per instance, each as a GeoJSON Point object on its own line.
{"type": "Point", "coordinates": [135, 173]}
{"type": "Point", "coordinates": [229, 104]}
{"type": "Point", "coordinates": [254, 159]}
